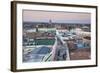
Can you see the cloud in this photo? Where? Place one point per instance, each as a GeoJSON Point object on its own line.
{"type": "Point", "coordinates": [61, 17]}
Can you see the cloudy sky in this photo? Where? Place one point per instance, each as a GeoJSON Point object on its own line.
{"type": "Point", "coordinates": [60, 17]}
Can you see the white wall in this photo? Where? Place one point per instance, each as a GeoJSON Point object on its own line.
{"type": "Point", "coordinates": [5, 37]}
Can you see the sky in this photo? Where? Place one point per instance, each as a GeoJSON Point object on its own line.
{"type": "Point", "coordinates": [59, 17]}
